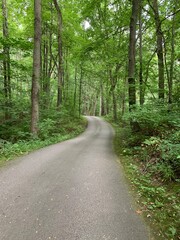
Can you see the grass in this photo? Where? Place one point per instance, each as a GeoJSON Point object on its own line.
{"type": "Point", "coordinates": [158, 201]}
{"type": "Point", "coordinates": [51, 132]}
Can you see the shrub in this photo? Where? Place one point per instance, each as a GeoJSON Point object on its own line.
{"type": "Point", "coordinates": [155, 119]}
{"type": "Point", "coordinates": [157, 143]}
{"type": "Point", "coordinates": [161, 157]}
{"type": "Point", "coordinates": [46, 128]}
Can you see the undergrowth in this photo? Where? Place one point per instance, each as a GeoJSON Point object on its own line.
{"type": "Point", "coordinates": [150, 157]}
{"type": "Point", "coordinates": [158, 201]}
{"type": "Point", "coordinates": [16, 140]}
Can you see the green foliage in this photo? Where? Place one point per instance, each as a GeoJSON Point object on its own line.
{"type": "Point", "coordinates": [19, 43]}
{"type": "Point", "coordinates": [14, 130]}
{"type": "Point", "coordinates": [161, 157]}
{"type": "Point", "coordinates": [50, 133]}
{"type": "Point", "coordinates": [157, 141]}
{"type": "Point", "coordinates": [158, 200]}
{"type": "Point", "coordinates": [155, 118]}
{"type": "Point", "coordinates": [45, 128]}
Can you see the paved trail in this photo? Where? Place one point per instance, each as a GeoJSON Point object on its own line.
{"type": "Point", "coordinates": [73, 190]}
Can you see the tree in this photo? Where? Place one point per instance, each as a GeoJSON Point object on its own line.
{"type": "Point", "coordinates": [172, 58]}
{"type": "Point", "coordinates": [141, 85]}
{"type": "Point", "coordinates": [159, 42]}
{"type": "Point", "coordinates": [36, 68]}
{"type": "Point", "coordinates": [132, 54]}
{"type": "Point", "coordinates": [60, 54]}
{"type": "Point", "coordinates": [88, 56]}
{"type": "Point", "coordinates": [6, 61]}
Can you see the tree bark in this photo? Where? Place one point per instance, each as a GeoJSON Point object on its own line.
{"type": "Point", "coordinates": [47, 62]}
{"type": "Point", "coordinates": [114, 106]}
{"type": "Point", "coordinates": [124, 94]}
{"type": "Point", "coordinates": [107, 101]}
{"type": "Point", "coordinates": [140, 57]}
{"type": "Point", "coordinates": [66, 75]}
{"type": "Point", "coordinates": [101, 101]}
{"type": "Point", "coordinates": [60, 54]}
{"type": "Point", "coordinates": [45, 54]}
{"type": "Point", "coordinates": [75, 88]}
{"type": "Point", "coordinates": [50, 59]}
{"type": "Point", "coordinates": [6, 61]}
{"type": "Point", "coordinates": [80, 91]}
{"type": "Point", "coordinates": [171, 72]}
{"type": "Point", "coordinates": [132, 43]}
{"type": "Point", "coordinates": [94, 105]}
{"type": "Point", "coordinates": [159, 42]}
{"type": "Point", "coordinates": [113, 80]}
{"type": "Point", "coordinates": [36, 68]}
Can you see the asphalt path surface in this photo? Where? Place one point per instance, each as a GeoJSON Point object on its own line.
{"type": "Point", "coordinates": [74, 190]}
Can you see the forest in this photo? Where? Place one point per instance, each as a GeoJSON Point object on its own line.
{"type": "Point", "coordinates": [120, 60]}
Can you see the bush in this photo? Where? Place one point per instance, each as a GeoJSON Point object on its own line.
{"type": "Point", "coordinates": [155, 119]}
{"type": "Point", "coordinates": [157, 143]}
{"type": "Point", "coordinates": [162, 157]}
{"type": "Point", "coordinates": [16, 139]}
{"type": "Point", "coordinates": [46, 128]}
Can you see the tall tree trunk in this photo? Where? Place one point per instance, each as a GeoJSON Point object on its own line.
{"type": "Point", "coordinates": [107, 101]}
{"type": "Point", "coordinates": [6, 61]}
{"type": "Point", "coordinates": [49, 69]}
{"type": "Point", "coordinates": [124, 90]}
{"type": "Point", "coordinates": [94, 105]}
{"type": "Point", "coordinates": [113, 80]}
{"type": "Point", "coordinates": [60, 54]}
{"type": "Point", "coordinates": [114, 106]}
{"type": "Point", "coordinates": [46, 53]}
{"type": "Point", "coordinates": [132, 47]}
{"type": "Point", "coordinates": [159, 41]}
{"type": "Point", "coordinates": [36, 68]}
{"type": "Point", "coordinates": [66, 75]}
{"type": "Point", "coordinates": [124, 95]}
{"type": "Point", "coordinates": [101, 101]}
{"type": "Point", "coordinates": [75, 88]}
{"type": "Point", "coordinates": [50, 61]}
{"type": "Point", "coordinates": [100, 104]}
{"type": "Point", "coordinates": [140, 57]}
{"type": "Point", "coordinates": [171, 72]}
{"type": "Point", "coordinates": [80, 91]}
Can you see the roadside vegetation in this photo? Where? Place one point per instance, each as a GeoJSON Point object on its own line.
{"type": "Point", "coordinates": [151, 160]}
{"type": "Point", "coordinates": [60, 60]}
{"type": "Point", "coordinates": [18, 140]}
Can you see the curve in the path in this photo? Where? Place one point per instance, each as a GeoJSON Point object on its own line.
{"type": "Point", "coordinates": [73, 190]}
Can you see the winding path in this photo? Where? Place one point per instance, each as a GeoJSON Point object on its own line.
{"type": "Point", "coordinates": [74, 190]}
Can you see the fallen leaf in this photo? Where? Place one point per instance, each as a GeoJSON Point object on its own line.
{"type": "Point", "coordinates": [139, 212]}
